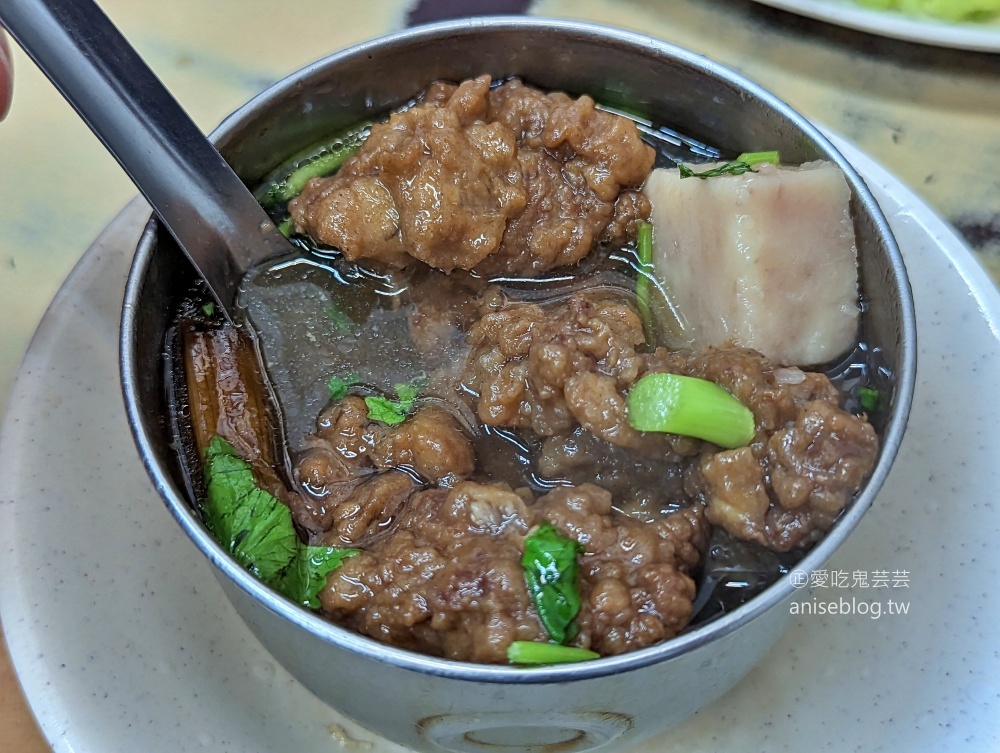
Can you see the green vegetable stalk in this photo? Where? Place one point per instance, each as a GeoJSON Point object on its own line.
{"type": "Point", "coordinates": [730, 168]}
{"type": "Point", "coordinates": [551, 572]}
{"type": "Point", "coordinates": [644, 249]}
{"type": "Point", "coordinates": [742, 164]}
{"type": "Point", "coordinates": [759, 158]}
{"type": "Point", "coordinates": [316, 162]}
{"type": "Point", "coordinates": [532, 652]}
{"type": "Point", "coordinates": [257, 529]}
{"type": "Point", "coordinates": [870, 399]}
{"type": "Point", "coordinates": [691, 407]}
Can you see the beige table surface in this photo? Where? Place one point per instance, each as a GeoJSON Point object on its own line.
{"type": "Point", "coordinates": [931, 116]}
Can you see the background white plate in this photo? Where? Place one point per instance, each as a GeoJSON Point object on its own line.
{"type": "Point", "coordinates": [984, 37]}
{"type": "Point", "coordinates": [124, 642]}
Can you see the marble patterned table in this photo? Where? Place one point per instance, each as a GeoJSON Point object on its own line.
{"type": "Point", "coordinates": [931, 116]}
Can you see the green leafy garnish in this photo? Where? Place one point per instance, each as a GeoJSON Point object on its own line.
{"type": "Point", "coordinates": [532, 652]}
{"type": "Point", "coordinates": [691, 407]}
{"type": "Point", "coordinates": [340, 320]}
{"type": "Point", "coordinates": [246, 520]}
{"type": "Point", "coordinates": [306, 574]}
{"type": "Point", "coordinates": [550, 571]}
{"type": "Point", "coordinates": [339, 387]}
{"type": "Point", "coordinates": [871, 399]}
{"type": "Point", "coordinates": [385, 410]}
{"type": "Point", "coordinates": [407, 394]}
{"type": "Point", "coordinates": [742, 164]}
{"type": "Point", "coordinates": [208, 309]}
{"type": "Point", "coordinates": [394, 412]}
{"type": "Point", "coordinates": [257, 529]}
{"type": "Point", "coordinates": [644, 249]}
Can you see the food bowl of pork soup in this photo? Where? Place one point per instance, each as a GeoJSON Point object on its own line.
{"type": "Point", "coordinates": [582, 344]}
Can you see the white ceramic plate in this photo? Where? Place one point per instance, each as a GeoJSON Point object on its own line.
{"type": "Point", "coordinates": [984, 37]}
{"type": "Point", "coordinates": [124, 642]}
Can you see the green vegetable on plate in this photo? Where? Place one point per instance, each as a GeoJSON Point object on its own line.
{"type": "Point", "coordinates": [551, 572]}
{"type": "Point", "coordinates": [257, 529]}
{"type": "Point", "coordinates": [946, 10]}
{"type": "Point", "coordinates": [691, 407]}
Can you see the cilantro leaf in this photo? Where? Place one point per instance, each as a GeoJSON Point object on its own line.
{"type": "Point", "coordinates": [551, 573]}
{"type": "Point", "coordinates": [385, 410]}
{"type": "Point", "coordinates": [246, 520]}
{"type": "Point", "coordinates": [339, 387]}
{"type": "Point", "coordinates": [394, 412]}
{"type": "Point", "coordinates": [257, 529]}
{"type": "Point", "coordinates": [340, 320]}
{"type": "Point", "coordinates": [306, 574]}
{"type": "Point", "coordinates": [407, 394]}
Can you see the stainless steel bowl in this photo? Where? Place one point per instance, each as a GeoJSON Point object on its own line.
{"type": "Point", "coordinates": [433, 704]}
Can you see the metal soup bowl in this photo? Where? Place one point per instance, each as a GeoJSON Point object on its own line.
{"type": "Point", "coordinates": [434, 704]}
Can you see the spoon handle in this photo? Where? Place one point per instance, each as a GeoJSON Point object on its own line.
{"type": "Point", "coordinates": [202, 202]}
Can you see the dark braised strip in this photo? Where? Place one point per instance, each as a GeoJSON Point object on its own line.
{"type": "Point", "coordinates": [226, 397]}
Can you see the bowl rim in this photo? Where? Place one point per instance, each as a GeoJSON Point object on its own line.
{"type": "Point", "coordinates": [367, 647]}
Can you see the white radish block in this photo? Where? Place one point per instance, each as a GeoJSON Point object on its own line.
{"type": "Point", "coordinates": [765, 260]}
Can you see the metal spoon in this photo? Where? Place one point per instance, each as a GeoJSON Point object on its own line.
{"type": "Point", "coordinates": [202, 202]}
